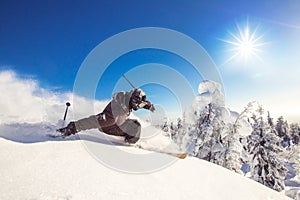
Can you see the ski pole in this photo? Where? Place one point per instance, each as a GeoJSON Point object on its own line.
{"type": "Point", "coordinates": [65, 116]}
{"type": "Point", "coordinates": [128, 81]}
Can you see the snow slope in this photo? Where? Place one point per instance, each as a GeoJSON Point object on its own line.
{"type": "Point", "coordinates": [44, 168]}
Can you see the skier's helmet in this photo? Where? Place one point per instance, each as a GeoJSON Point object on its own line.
{"type": "Point", "coordinates": [137, 98]}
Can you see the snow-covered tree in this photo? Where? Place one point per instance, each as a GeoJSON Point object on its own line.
{"type": "Point", "coordinates": [215, 136]}
{"type": "Point", "coordinates": [266, 167]}
{"type": "Point", "coordinates": [231, 151]}
{"type": "Point", "coordinates": [165, 127]}
{"type": "Point", "coordinates": [200, 134]}
{"type": "Point", "coordinates": [282, 129]}
{"type": "Point", "coordinates": [179, 123]}
{"type": "Point", "coordinates": [216, 141]}
{"type": "Point", "coordinates": [180, 132]}
{"type": "Point", "coordinates": [270, 120]}
{"type": "Point", "coordinates": [219, 138]}
{"type": "Point", "coordinates": [177, 132]}
{"type": "Point", "coordinates": [295, 133]}
{"type": "Point", "coordinates": [172, 127]}
{"type": "Point", "coordinates": [234, 154]}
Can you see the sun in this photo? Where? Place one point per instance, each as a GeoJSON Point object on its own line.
{"type": "Point", "coordinates": [245, 43]}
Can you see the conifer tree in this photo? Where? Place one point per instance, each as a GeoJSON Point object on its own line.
{"type": "Point", "coordinates": [295, 133]}
{"type": "Point", "coordinates": [234, 154]}
{"type": "Point", "coordinates": [282, 129]}
{"type": "Point", "coordinates": [266, 167]}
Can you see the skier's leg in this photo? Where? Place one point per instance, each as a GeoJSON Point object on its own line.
{"type": "Point", "coordinates": [132, 130]}
{"type": "Point", "coordinates": [90, 122]}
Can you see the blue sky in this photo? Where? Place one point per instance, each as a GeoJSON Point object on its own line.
{"type": "Point", "coordinates": [49, 40]}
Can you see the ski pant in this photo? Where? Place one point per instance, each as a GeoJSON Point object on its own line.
{"type": "Point", "coordinates": [130, 129]}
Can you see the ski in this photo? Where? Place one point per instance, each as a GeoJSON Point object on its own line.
{"type": "Point", "coordinates": [177, 155]}
{"type": "Point", "coordinates": [180, 155]}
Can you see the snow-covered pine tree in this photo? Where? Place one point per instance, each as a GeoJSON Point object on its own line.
{"type": "Point", "coordinates": [205, 135]}
{"type": "Point", "coordinates": [271, 123]}
{"type": "Point", "coordinates": [199, 134]}
{"type": "Point", "coordinates": [229, 156]}
{"type": "Point", "coordinates": [270, 120]}
{"type": "Point", "coordinates": [266, 167]}
{"type": "Point", "coordinates": [282, 129]}
{"type": "Point", "coordinates": [214, 140]}
{"type": "Point", "coordinates": [234, 154]}
{"type": "Point", "coordinates": [172, 127]}
{"type": "Point", "coordinates": [218, 149]}
{"type": "Point", "coordinates": [180, 132]}
{"type": "Point", "coordinates": [295, 133]}
{"type": "Point", "coordinates": [165, 127]}
{"type": "Point", "coordinates": [179, 123]}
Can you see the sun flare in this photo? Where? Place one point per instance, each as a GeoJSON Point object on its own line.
{"type": "Point", "coordinates": [245, 44]}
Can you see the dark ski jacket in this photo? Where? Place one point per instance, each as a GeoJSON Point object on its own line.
{"type": "Point", "coordinates": [117, 111]}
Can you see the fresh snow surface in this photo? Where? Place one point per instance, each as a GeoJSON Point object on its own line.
{"type": "Point", "coordinates": [34, 166]}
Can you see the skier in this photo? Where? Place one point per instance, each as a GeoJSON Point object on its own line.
{"type": "Point", "coordinates": [113, 120]}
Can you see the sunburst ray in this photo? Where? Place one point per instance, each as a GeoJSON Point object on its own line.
{"type": "Point", "coordinates": [245, 43]}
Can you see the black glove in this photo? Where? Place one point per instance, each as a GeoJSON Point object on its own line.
{"type": "Point", "coordinates": [149, 106]}
{"type": "Point", "coordinates": [152, 108]}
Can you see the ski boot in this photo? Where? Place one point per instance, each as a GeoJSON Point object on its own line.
{"type": "Point", "coordinates": [68, 130]}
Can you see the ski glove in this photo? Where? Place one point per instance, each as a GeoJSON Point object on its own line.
{"type": "Point", "coordinates": [152, 108]}
{"type": "Point", "coordinates": [149, 106]}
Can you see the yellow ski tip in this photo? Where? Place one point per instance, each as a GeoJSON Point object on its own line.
{"type": "Point", "coordinates": [181, 155]}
